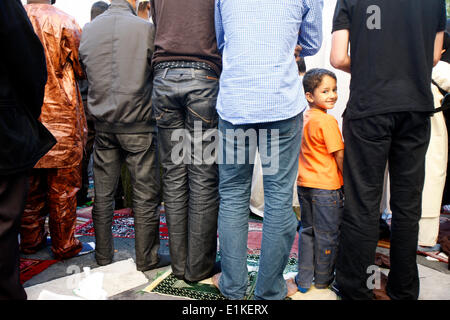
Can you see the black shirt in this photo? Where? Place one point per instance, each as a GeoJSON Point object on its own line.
{"type": "Point", "coordinates": [185, 31]}
{"type": "Point", "coordinates": [23, 75]}
{"type": "Point", "coordinates": [391, 50]}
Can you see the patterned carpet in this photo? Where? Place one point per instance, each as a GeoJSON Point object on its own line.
{"type": "Point", "coordinates": [167, 284]}
{"type": "Point", "coordinates": [31, 267]}
{"type": "Point", "coordinates": [123, 225]}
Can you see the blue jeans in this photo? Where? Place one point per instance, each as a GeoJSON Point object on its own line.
{"type": "Point", "coordinates": [279, 162]}
{"type": "Point", "coordinates": [321, 216]}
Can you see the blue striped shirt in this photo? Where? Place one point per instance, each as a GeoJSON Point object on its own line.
{"type": "Point", "coordinates": [259, 81]}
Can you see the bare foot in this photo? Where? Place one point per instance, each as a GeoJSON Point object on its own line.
{"type": "Point", "coordinates": [291, 287]}
{"type": "Point", "coordinates": [215, 279]}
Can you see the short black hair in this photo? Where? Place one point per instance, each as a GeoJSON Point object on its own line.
{"type": "Point", "coordinates": [313, 78]}
{"type": "Point", "coordinates": [301, 65]}
{"type": "Point", "coordinates": [98, 8]}
{"type": "Point", "coordinates": [142, 6]}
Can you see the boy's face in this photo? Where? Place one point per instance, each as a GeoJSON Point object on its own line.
{"type": "Point", "coordinates": [325, 95]}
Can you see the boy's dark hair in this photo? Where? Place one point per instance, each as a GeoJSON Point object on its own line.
{"type": "Point", "coordinates": [98, 8]}
{"type": "Point", "coordinates": [301, 65]}
{"type": "Point", "coordinates": [313, 78]}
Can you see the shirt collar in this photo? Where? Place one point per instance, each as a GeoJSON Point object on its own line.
{"type": "Point", "coordinates": [122, 4]}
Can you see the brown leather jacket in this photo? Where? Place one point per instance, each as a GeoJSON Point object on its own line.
{"type": "Point", "coordinates": [62, 111]}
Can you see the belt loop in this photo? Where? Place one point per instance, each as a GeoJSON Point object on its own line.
{"type": "Point", "coordinates": [193, 73]}
{"type": "Point", "coordinates": [165, 73]}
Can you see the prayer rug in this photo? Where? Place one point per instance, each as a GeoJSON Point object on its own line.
{"type": "Point", "coordinates": [31, 267]}
{"type": "Point", "coordinates": [384, 244]}
{"type": "Point", "coordinates": [122, 226]}
{"type": "Point", "coordinates": [255, 237]}
{"type": "Point", "coordinates": [84, 212]}
{"type": "Point", "coordinates": [167, 284]}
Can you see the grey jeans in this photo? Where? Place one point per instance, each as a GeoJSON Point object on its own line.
{"type": "Point", "coordinates": [139, 153]}
{"type": "Point", "coordinates": [185, 98]}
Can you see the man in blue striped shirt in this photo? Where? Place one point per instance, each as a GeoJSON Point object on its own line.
{"type": "Point", "coordinates": [260, 104]}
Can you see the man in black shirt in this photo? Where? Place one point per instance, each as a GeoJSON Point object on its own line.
{"type": "Point", "coordinates": [186, 69]}
{"type": "Point", "coordinates": [23, 139]}
{"type": "Point", "coordinates": [394, 46]}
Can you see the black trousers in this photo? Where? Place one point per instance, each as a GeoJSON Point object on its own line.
{"type": "Point", "coordinates": [13, 193]}
{"type": "Point", "coordinates": [185, 107]}
{"type": "Point", "coordinates": [82, 195]}
{"type": "Point", "coordinates": [402, 139]}
{"type": "Point", "coordinates": [138, 152]}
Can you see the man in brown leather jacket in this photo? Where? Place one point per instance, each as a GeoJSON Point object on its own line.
{"type": "Point", "coordinates": [56, 178]}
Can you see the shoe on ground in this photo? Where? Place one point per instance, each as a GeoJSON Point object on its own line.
{"type": "Point", "coordinates": [88, 247]}
{"type": "Point", "coordinates": [335, 288]}
{"type": "Point", "coordinates": [299, 288]}
{"type": "Point", "coordinates": [32, 250]}
{"type": "Point", "coordinates": [164, 260]}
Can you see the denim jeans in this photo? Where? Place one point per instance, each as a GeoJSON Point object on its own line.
{"type": "Point", "coordinates": [280, 222]}
{"type": "Point", "coordinates": [138, 151]}
{"type": "Point", "coordinates": [321, 216]}
{"type": "Point", "coordinates": [185, 101]}
{"type": "Point", "coordinates": [402, 139]}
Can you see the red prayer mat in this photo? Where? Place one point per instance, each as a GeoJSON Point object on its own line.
{"type": "Point", "coordinates": [31, 267]}
{"type": "Point", "coordinates": [255, 237]}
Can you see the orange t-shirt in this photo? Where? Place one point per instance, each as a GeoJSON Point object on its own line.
{"type": "Point", "coordinates": [317, 167]}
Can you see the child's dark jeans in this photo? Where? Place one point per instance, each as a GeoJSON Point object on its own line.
{"type": "Point", "coordinates": [321, 216]}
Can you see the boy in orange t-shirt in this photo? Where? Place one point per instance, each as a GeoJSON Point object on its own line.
{"type": "Point", "coordinates": [319, 183]}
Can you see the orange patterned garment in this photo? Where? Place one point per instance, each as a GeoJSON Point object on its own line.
{"type": "Point", "coordinates": [62, 111]}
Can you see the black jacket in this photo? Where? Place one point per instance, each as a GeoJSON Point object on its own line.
{"type": "Point", "coordinates": [116, 50]}
{"type": "Point", "coordinates": [23, 75]}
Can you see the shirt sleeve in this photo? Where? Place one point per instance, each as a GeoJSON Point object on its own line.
{"type": "Point", "coordinates": [219, 26]}
{"type": "Point", "coordinates": [151, 38]}
{"type": "Point", "coordinates": [310, 34]}
{"type": "Point", "coordinates": [341, 19]}
{"type": "Point", "coordinates": [332, 135]}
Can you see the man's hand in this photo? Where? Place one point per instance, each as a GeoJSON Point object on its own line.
{"type": "Point", "coordinates": [297, 51]}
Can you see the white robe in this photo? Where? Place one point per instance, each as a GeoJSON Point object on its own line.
{"type": "Point", "coordinates": [435, 163]}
